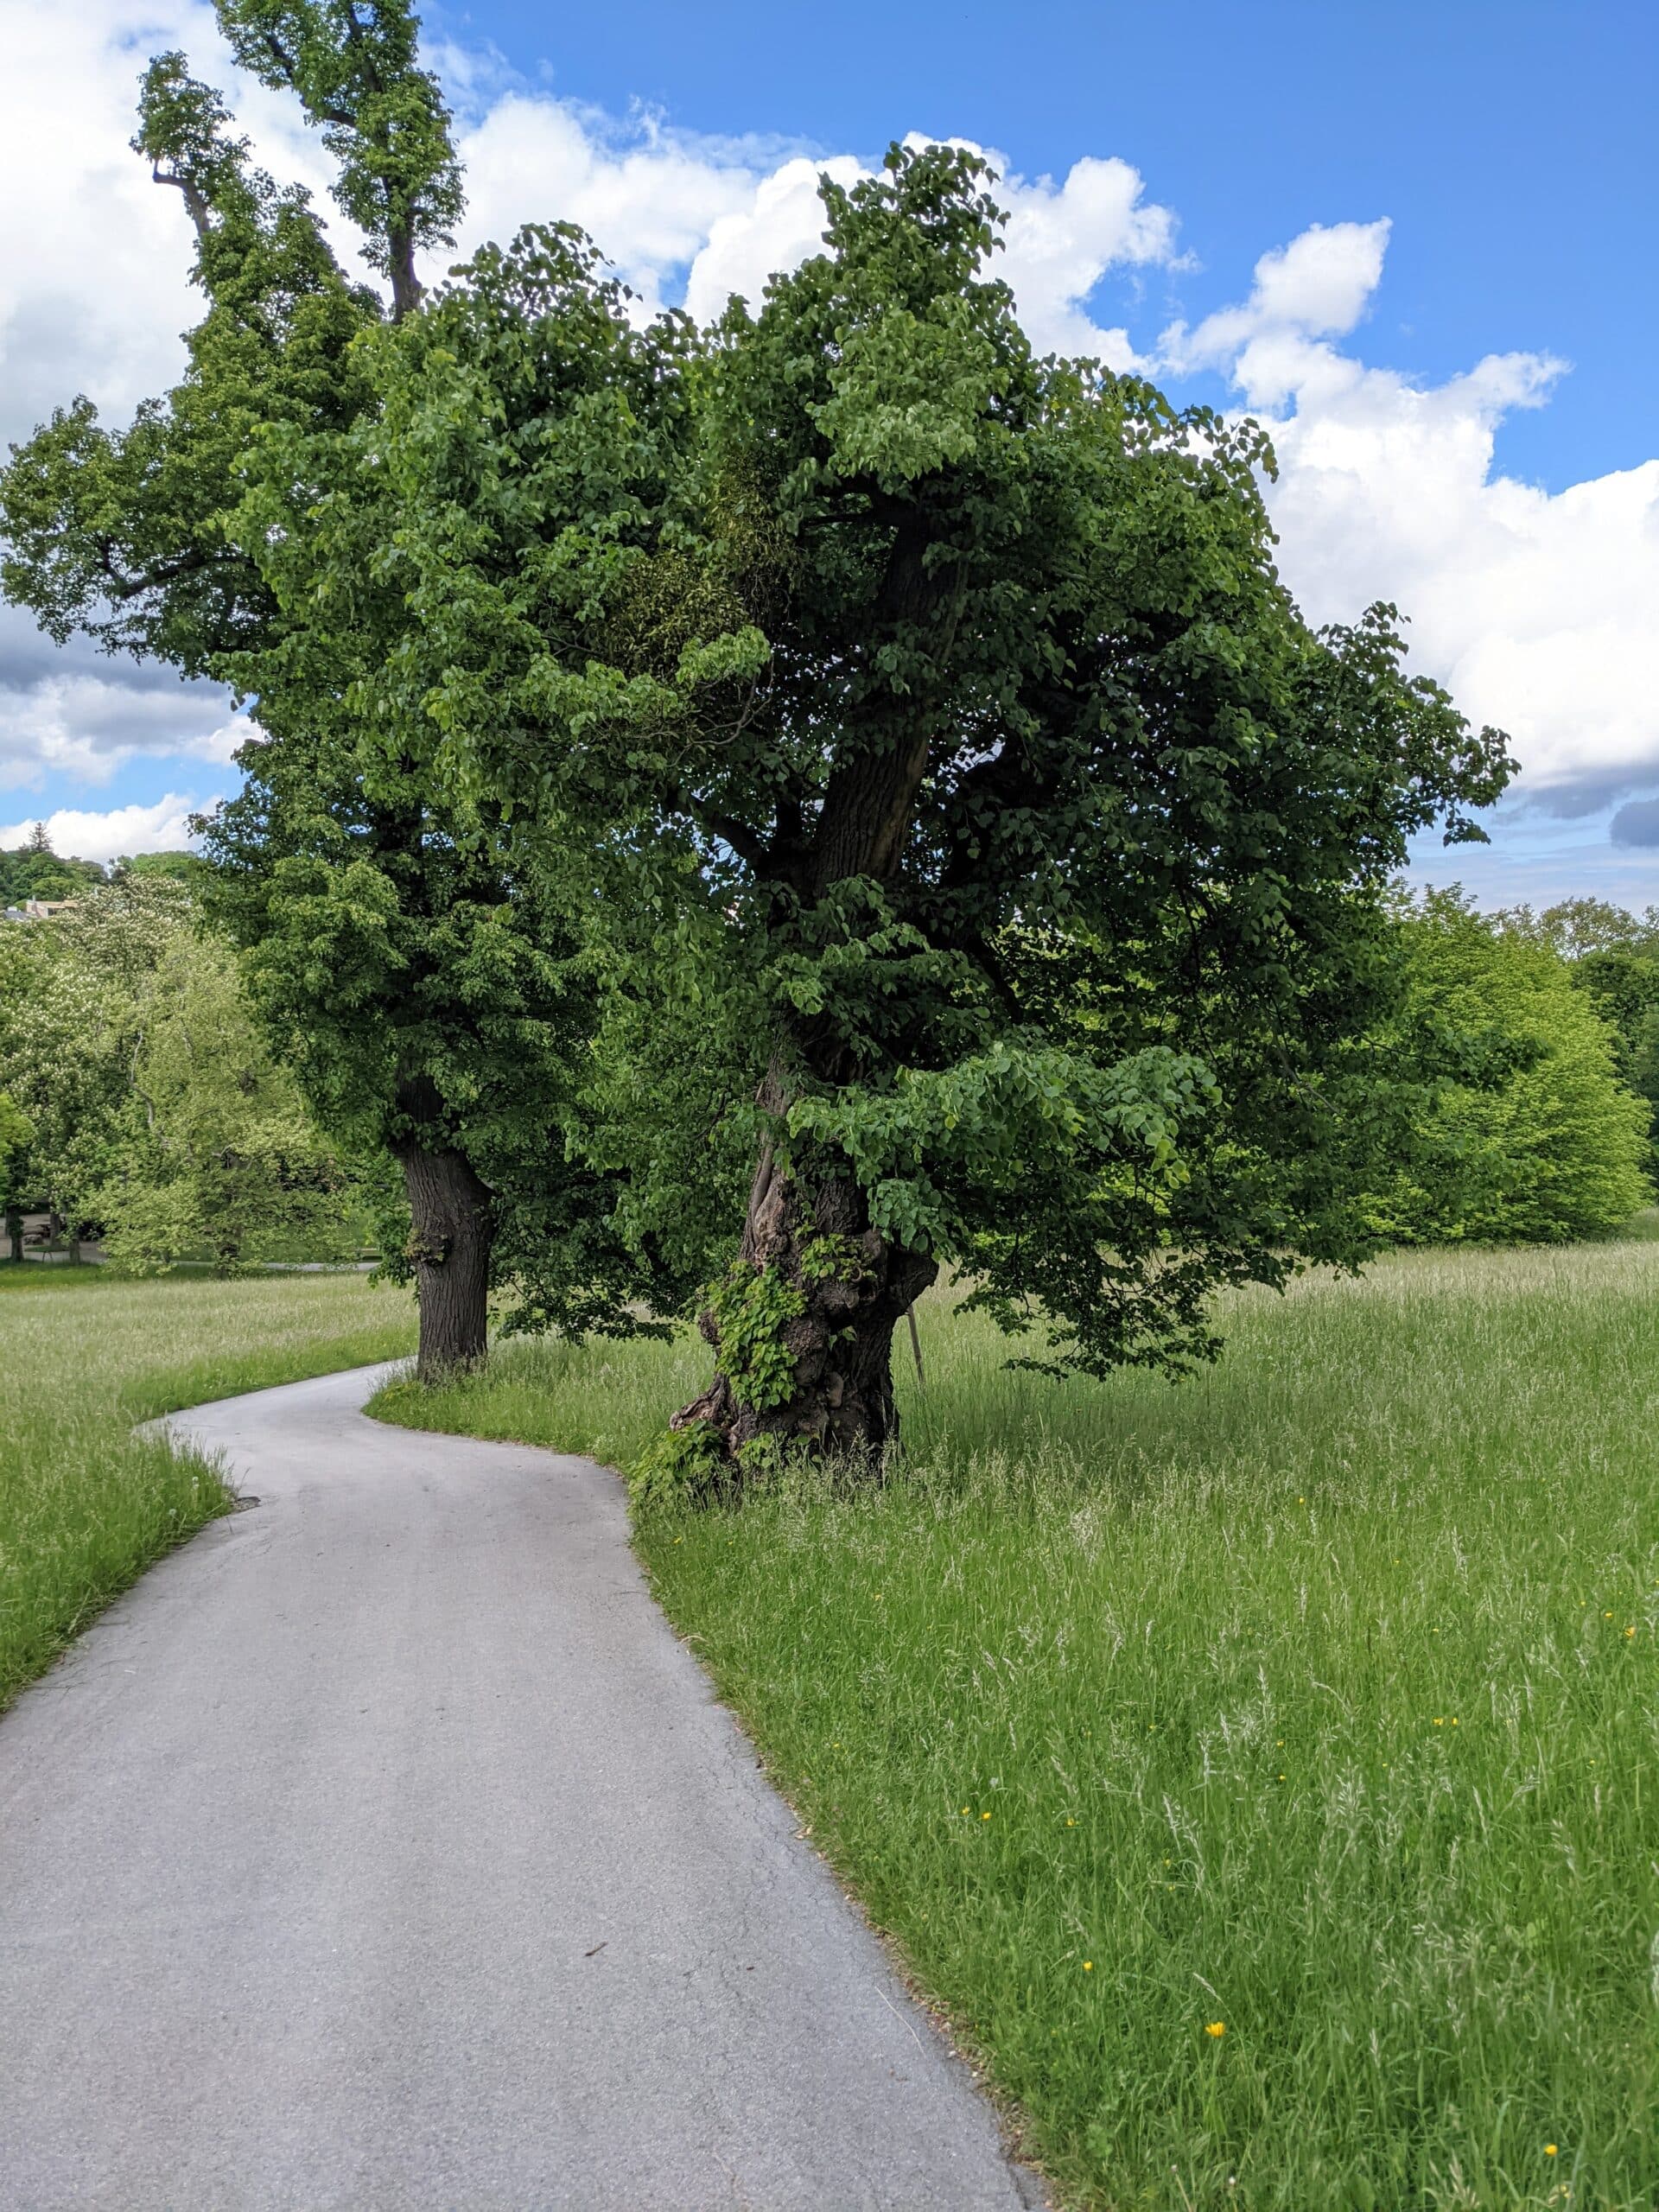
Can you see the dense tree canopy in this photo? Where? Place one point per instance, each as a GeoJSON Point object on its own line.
{"type": "Point", "coordinates": [145, 1097]}
{"type": "Point", "coordinates": [895, 751]}
{"type": "Point", "coordinates": [1541, 1141]}
{"type": "Point", "coordinates": [1614, 958]}
{"type": "Point", "coordinates": [34, 871]}
{"type": "Point", "coordinates": [1046, 842]}
{"type": "Point", "coordinates": [437, 1007]}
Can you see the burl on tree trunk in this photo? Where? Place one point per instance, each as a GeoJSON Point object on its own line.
{"type": "Point", "coordinates": [449, 1245]}
{"type": "Point", "coordinates": [803, 1326]}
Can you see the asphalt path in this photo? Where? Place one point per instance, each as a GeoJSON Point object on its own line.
{"type": "Point", "coordinates": [383, 1847]}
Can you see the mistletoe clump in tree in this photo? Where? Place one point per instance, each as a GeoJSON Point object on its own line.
{"type": "Point", "coordinates": [958, 690]}
{"type": "Point", "coordinates": [437, 1005]}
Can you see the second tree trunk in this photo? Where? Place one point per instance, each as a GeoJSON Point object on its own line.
{"type": "Point", "coordinates": [449, 1211]}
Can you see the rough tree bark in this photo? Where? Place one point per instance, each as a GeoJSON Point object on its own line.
{"type": "Point", "coordinates": [852, 1288]}
{"type": "Point", "coordinates": [449, 1245]}
{"type": "Point", "coordinates": [841, 1341]}
{"type": "Point", "coordinates": [407, 290]}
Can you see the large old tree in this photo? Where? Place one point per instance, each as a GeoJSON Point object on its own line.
{"type": "Point", "coordinates": [437, 1005]}
{"type": "Point", "coordinates": [924, 719]}
{"type": "Point", "coordinates": [955, 693]}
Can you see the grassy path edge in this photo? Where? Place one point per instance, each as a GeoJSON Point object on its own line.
{"type": "Point", "coordinates": [1256, 1772]}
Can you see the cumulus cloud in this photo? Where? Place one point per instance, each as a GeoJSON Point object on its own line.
{"type": "Point", "coordinates": [650, 197]}
{"type": "Point", "coordinates": [779, 224]}
{"type": "Point", "coordinates": [94, 292]}
{"type": "Point", "coordinates": [162, 828]}
{"type": "Point", "coordinates": [1318, 286]}
{"type": "Point", "coordinates": [94, 263]}
{"type": "Point", "coordinates": [1061, 240]}
{"type": "Point", "coordinates": [72, 712]}
{"type": "Point", "coordinates": [94, 258]}
{"type": "Point", "coordinates": [696, 220]}
{"type": "Point", "coordinates": [1535, 608]}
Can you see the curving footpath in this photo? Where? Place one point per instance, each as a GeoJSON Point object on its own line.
{"type": "Point", "coordinates": [383, 1848]}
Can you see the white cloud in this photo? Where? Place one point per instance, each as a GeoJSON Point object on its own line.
{"type": "Point", "coordinates": [94, 292]}
{"type": "Point", "coordinates": [94, 261]}
{"type": "Point", "coordinates": [1063, 239]}
{"type": "Point", "coordinates": [163, 828]}
{"type": "Point", "coordinates": [1318, 286]}
{"type": "Point", "coordinates": [94, 257]}
{"type": "Point", "coordinates": [1535, 609]}
{"type": "Point", "coordinates": [1060, 241]}
{"type": "Point", "coordinates": [779, 224]}
{"type": "Point", "coordinates": [79, 714]}
{"type": "Point", "coordinates": [648, 196]}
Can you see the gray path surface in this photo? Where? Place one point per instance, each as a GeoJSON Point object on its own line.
{"type": "Point", "coordinates": [383, 1848]}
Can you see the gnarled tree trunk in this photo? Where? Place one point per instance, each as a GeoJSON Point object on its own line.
{"type": "Point", "coordinates": [810, 1255]}
{"type": "Point", "coordinates": [449, 1210]}
{"type": "Point", "coordinates": [843, 1289]}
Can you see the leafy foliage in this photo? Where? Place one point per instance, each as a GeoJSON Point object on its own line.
{"type": "Point", "coordinates": [34, 871]}
{"type": "Point", "coordinates": [937, 707]}
{"type": "Point", "coordinates": [145, 1095]}
{"type": "Point", "coordinates": [681, 1467]}
{"type": "Point", "coordinates": [752, 1308]}
{"type": "Point", "coordinates": [957, 692]}
{"type": "Point", "coordinates": [70, 991]}
{"type": "Point", "coordinates": [217, 1154]}
{"type": "Point", "coordinates": [1541, 1142]}
{"type": "Point", "coordinates": [435, 1004]}
{"type": "Point", "coordinates": [354, 65]}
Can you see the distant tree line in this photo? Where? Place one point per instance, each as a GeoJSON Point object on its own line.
{"type": "Point", "coordinates": [34, 871]}
{"type": "Point", "coordinates": [1538, 1125]}
{"type": "Point", "coordinates": [140, 1102]}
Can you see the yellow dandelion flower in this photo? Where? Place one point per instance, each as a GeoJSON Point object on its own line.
{"type": "Point", "coordinates": [1215, 2027]}
{"type": "Point", "coordinates": [1549, 2150]}
{"type": "Point", "coordinates": [1088, 1965]}
{"type": "Point", "coordinates": [985, 1816]}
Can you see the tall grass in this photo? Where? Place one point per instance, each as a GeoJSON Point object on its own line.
{"type": "Point", "coordinates": [1265, 1771]}
{"type": "Point", "coordinates": [84, 1506]}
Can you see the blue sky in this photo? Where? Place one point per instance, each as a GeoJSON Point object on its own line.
{"type": "Point", "coordinates": [1419, 238]}
{"type": "Point", "coordinates": [1512, 145]}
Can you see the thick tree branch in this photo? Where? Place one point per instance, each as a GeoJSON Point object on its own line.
{"type": "Point", "coordinates": [195, 200]}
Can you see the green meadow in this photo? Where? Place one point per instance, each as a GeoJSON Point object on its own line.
{"type": "Point", "coordinates": [1262, 1773]}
